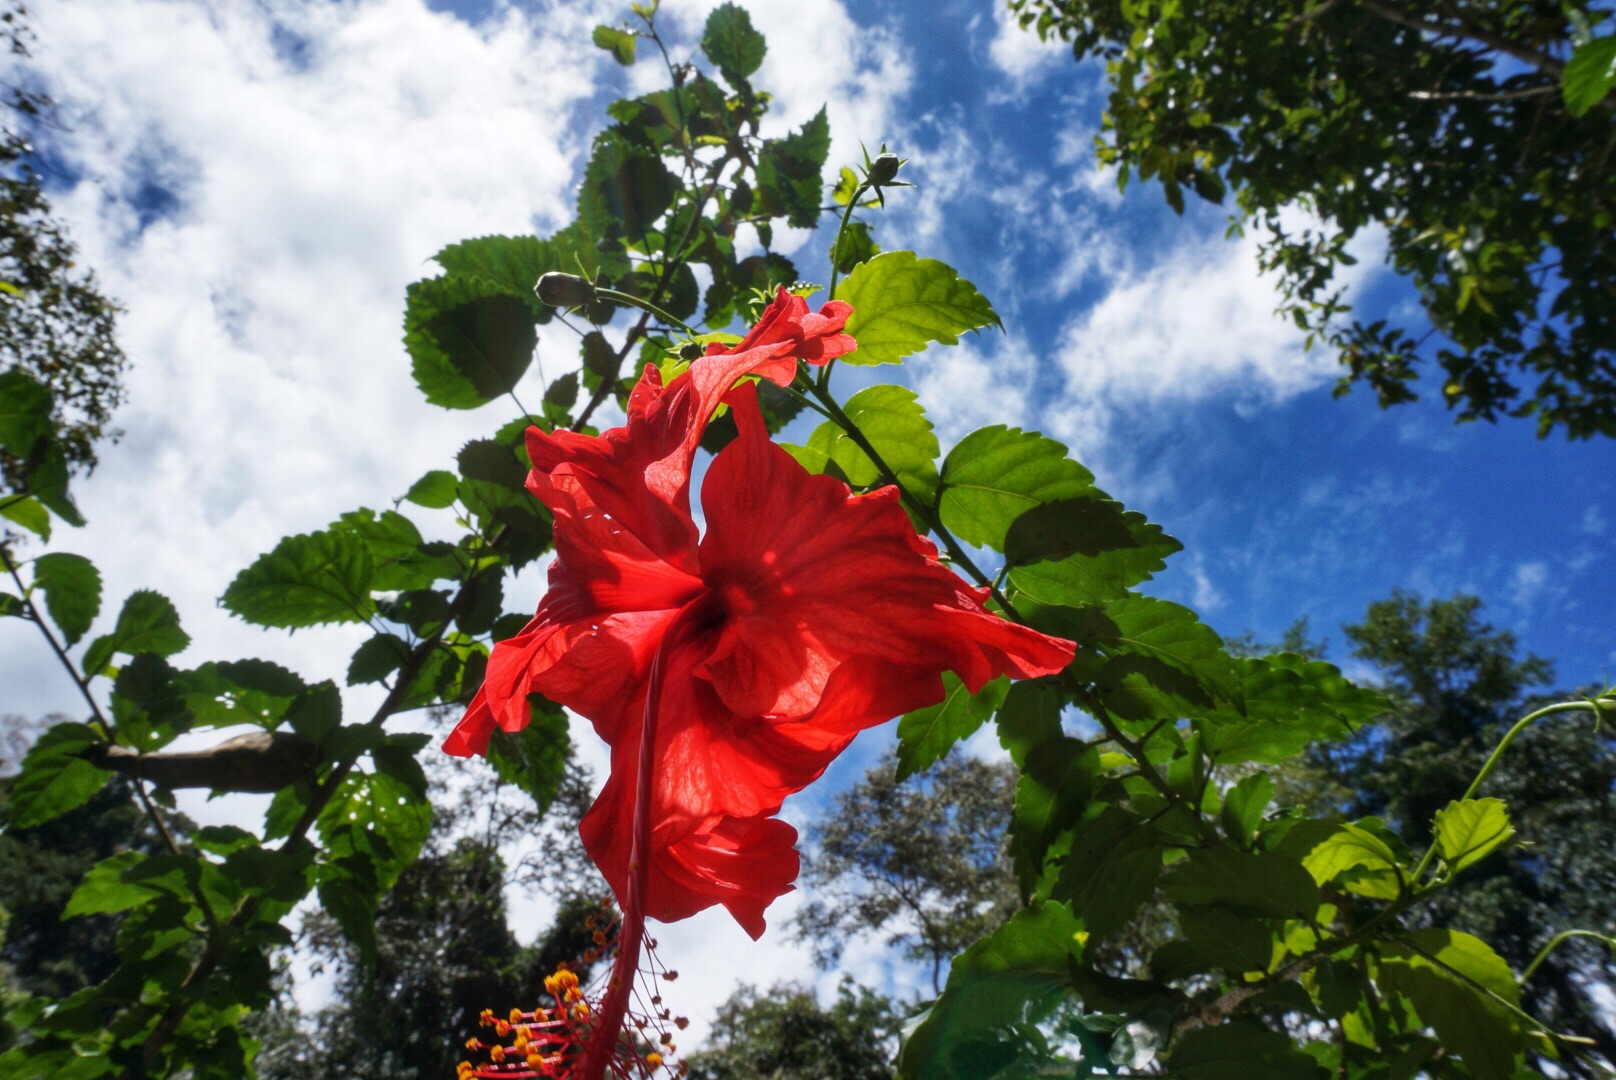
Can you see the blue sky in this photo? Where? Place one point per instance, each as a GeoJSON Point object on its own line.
{"type": "Point", "coordinates": [257, 182]}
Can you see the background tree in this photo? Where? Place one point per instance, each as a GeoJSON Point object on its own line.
{"type": "Point", "coordinates": [55, 324]}
{"type": "Point", "coordinates": [786, 1034]}
{"type": "Point", "coordinates": [923, 862]}
{"type": "Point", "coordinates": [1457, 684]}
{"type": "Point", "coordinates": [444, 950]}
{"type": "Point", "coordinates": [1471, 131]}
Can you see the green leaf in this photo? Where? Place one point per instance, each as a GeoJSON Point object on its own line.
{"type": "Point", "coordinates": [316, 714]}
{"type": "Point", "coordinates": [1352, 848]}
{"type": "Point", "coordinates": [1290, 703]}
{"type": "Point", "coordinates": [902, 303]}
{"type": "Point", "coordinates": [510, 265]}
{"type": "Point", "coordinates": [1442, 973]}
{"type": "Point", "coordinates": [788, 172]}
{"type": "Point", "coordinates": [853, 247]}
{"type": "Point", "coordinates": [491, 461]}
{"type": "Point", "coordinates": [1014, 975]}
{"type": "Point", "coordinates": [1029, 718]}
{"type": "Point", "coordinates": [104, 890]}
{"type": "Point", "coordinates": [29, 513]}
{"type": "Point", "coordinates": [377, 658]}
{"type": "Point", "coordinates": [731, 44]}
{"type": "Point", "coordinates": [1160, 659]}
{"type": "Point", "coordinates": [620, 43]}
{"type": "Point", "coordinates": [1110, 871]}
{"type": "Point", "coordinates": [995, 474]}
{"type": "Point", "coordinates": [1052, 793]}
{"type": "Point", "coordinates": [53, 779]}
{"type": "Point", "coordinates": [534, 758]}
{"type": "Point", "coordinates": [1084, 550]}
{"type": "Point", "coordinates": [891, 418]}
{"type": "Point", "coordinates": [72, 588]}
{"type": "Point", "coordinates": [1243, 806]}
{"type": "Point", "coordinates": [1241, 1050]}
{"type": "Point", "coordinates": [1226, 940]}
{"type": "Point", "coordinates": [25, 408]}
{"type": "Point", "coordinates": [626, 188]}
{"type": "Point", "coordinates": [1469, 830]}
{"type": "Point", "coordinates": [1589, 74]}
{"type": "Point", "coordinates": [375, 819]}
{"type": "Point", "coordinates": [147, 623]}
{"type": "Point", "coordinates": [489, 340]}
{"type": "Point", "coordinates": [435, 491]}
{"type": "Point", "coordinates": [1250, 883]}
{"type": "Point", "coordinates": [925, 735]}
{"type": "Point", "coordinates": [307, 580]}
{"type": "Point", "coordinates": [469, 341]}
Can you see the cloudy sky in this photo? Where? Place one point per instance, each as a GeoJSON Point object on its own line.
{"type": "Point", "coordinates": [257, 182]}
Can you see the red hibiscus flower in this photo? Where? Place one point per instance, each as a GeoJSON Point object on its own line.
{"type": "Point", "coordinates": [726, 671]}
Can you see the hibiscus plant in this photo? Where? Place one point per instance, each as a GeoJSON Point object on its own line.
{"type": "Point", "coordinates": [861, 576]}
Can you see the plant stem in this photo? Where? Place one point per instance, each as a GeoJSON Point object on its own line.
{"type": "Point", "coordinates": [1596, 706]}
{"type": "Point", "coordinates": [835, 244]}
{"type": "Point", "coordinates": [646, 305]}
{"type": "Point", "coordinates": [1555, 942]}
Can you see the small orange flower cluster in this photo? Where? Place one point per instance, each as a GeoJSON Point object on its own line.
{"type": "Point", "coordinates": [549, 1041]}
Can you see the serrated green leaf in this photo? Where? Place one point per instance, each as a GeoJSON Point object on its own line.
{"type": "Point", "coordinates": [1014, 975]}
{"type": "Point", "coordinates": [925, 735]}
{"type": "Point", "coordinates": [626, 188]}
{"type": "Point", "coordinates": [1243, 806]}
{"type": "Point", "coordinates": [995, 474]}
{"type": "Point", "coordinates": [53, 779]}
{"type": "Point", "coordinates": [435, 491]}
{"type": "Point", "coordinates": [1469, 830]}
{"type": "Point", "coordinates": [1160, 659]}
{"type": "Point", "coordinates": [30, 513]}
{"type": "Point", "coordinates": [1084, 550]}
{"type": "Point", "coordinates": [104, 890]}
{"type": "Point", "coordinates": [1289, 703]}
{"type": "Point", "coordinates": [1349, 848]}
{"type": "Point", "coordinates": [306, 580]}
{"type": "Point", "coordinates": [533, 759]}
{"type": "Point", "coordinates": [891, 418]}
{"type": "Point", "coordinates": [25, 408]}
{"type": "Point", "coordinates": [620, 43]}
{"type": "Point", "coordinates": [1439, 972]}
{"type": "Point", "coordinates": [147, 623]}
{"type": "Point", "coordinates": [902, 303]}
{"type": "Point", "coordinates": [469, 340]}
{"type": "Point", "coordinates": [854, 246]}
{"type": "Point", "coordinates": [1241, 1050]}
{"type": "Point", "coordinates": [72, 588]}
{"type": "Point", "coordinates": [731, 43]}
{"type": "Point", "coordinates": [1250, 883]}
{"type": "Point", "coordinates": [788, 172]}
{"type": "Point", "coordinates": [377, 658]}
{"type": "Point", "coordinates": [1589, 75]}
{"type": "Point", "coordinates": [1110, 871]}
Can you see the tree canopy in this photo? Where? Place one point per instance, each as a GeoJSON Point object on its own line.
{"type": "Point", "coordinates": [1474, 133]}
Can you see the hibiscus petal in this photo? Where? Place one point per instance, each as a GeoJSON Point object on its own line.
{"type": "Point", "coordinates": [806, 571]}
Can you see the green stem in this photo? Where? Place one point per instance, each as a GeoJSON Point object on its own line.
{"type": "Point", "coordinates": [646, 305]}
{"type": "Point", "coordinates": [1596, 706]}
{"type": "Point", "coordinates": [1555, 942]}
{"type": "Point", "coordinates": [835, 245]}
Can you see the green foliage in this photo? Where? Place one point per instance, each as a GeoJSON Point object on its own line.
{"type": "Point", "coordinates": [902, 303]}
{"type": "Point", "coordinates": [1478, 133]}
{"type": "Point", "coordinates": [786, 1034]}
{"type": "Point", "coordinates": [996, 474]}
{"type": "Point", "coordinates": [1589, 75]}
{"type": "Point", "coordinates": [54, 778]}
{"type": "Point", "coordinates": [620, 43]}
{"type": "Point", "coordinates": [925, 735]}
{"type": "Point", "coordinates": [72, 588]}
{"type": "Point", "coordinates": [732, 45]}
{"type": "Point", "coordinates": [893, 422]}
{"type": "Point", "coordinates": [307, 580]}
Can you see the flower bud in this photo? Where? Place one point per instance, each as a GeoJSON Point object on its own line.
{"type": "Point", "coordinates": [691, 350]}
{"type": "Point", "coordinates": [884, 169]}
{"type": "Point", "coordinates": [565, 290]}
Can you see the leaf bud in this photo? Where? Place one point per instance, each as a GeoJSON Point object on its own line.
{"type": "Point", "coordinates": [691, 350]}
{"type": "Point", "coordinates": [565, 290]}
{"type": "Point", "coordinates": [884, 169]}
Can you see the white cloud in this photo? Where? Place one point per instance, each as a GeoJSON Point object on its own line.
{"type": "Point", "coordinates": [1020, 54]}
{"type": "Point", "coordinates": [1527, 583]}
{"type": "Point", "coordinates": [1197, 325]}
